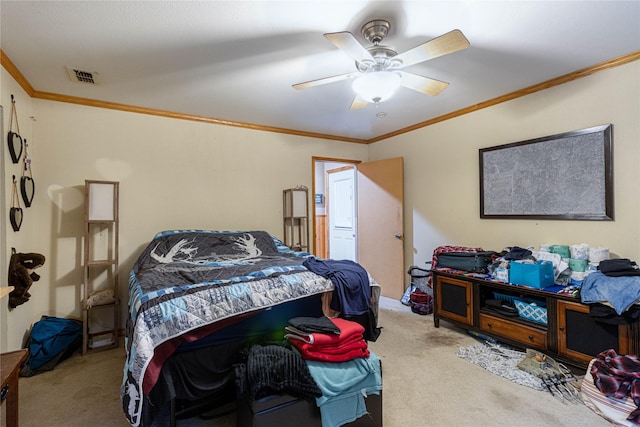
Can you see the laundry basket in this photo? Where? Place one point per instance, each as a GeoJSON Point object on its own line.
{"type": "Point", "coordinates": [419, 277]}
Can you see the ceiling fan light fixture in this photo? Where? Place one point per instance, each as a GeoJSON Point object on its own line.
{"type": "Point", "coordinates": [377, 86]}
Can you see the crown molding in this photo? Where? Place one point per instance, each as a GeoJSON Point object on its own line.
{"type": "Point", "coordinates": [24, 83]}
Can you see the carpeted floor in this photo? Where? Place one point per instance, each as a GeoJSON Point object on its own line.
{"type": "Point", "coordinates": [425, 384]}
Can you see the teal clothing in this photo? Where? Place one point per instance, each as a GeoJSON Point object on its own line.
{"type": "Point", "coordinates": [344, 387]}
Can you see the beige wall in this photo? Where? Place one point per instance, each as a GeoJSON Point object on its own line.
{"type": "Point", "coordinates": [12, 328]}
{"type": "Point", "coordinates": [173, 174]}
{"type": "Point", "coordinates": [441, 168]}
{"type": "Point", "coordinates": [180, 174]}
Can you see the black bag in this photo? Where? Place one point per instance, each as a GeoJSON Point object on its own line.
{"type": "Point", "coordinates": [476, 262]}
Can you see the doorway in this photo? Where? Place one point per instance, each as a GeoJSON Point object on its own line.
{"type": "Point", "coordinates": [367, 208]}
{"type": "Point", "coordinates": [341, 195]}
{"type": "Point", "coordinates": [338, 169]}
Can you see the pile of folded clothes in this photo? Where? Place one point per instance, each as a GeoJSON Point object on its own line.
{"type": "Point", "coordinates": [617, 284]}
{"type": "Point", "coordinates": [326, 339]}
{"type": "Point", "coordinates": [340, 363]}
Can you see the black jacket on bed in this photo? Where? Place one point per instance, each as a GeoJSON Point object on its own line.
{"type": "Point", "coordinates": [352, 295]}
{"type": "Point", "coordinates": [351, 282]}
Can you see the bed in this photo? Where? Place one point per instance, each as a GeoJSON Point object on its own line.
{"type": "Point", "coordinates": [196, 298]}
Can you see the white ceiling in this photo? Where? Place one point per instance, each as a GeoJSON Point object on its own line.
{"type": "Point", "coordinates": [236, 60]}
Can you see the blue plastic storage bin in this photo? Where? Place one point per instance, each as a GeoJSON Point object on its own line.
{"type": "Point", "coordinates": [538, 275]}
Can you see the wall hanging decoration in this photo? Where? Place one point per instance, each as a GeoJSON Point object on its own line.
{"type": "Point", "coordinates": [568, 176]}
{"type": "Point", "coordinates": [13, 138]}
{"type": "Point", "coordinates": [15, 213]}
{"type": "Point", "coordinates": [27, 186]}
{"type": "Point", "coordinates": [22, 275]}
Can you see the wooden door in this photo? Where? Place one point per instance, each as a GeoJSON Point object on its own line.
{"type": "Point", "coordinates": [381, 223]}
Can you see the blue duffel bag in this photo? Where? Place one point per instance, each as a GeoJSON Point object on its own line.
{"type": "Point", "coordinates": [52, 339]}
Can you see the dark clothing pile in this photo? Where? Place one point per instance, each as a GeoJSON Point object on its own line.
{"type": "Point", "coordinates": [605, 314]}
{"type": "Point", "coordinates": [352, 294]}
{"type": "Point", "coordinates": [322, 324]}
{"type": "Point", "coordinates": [518, 253]}
{"type": "Point", "coordinates": [273, 369]}
{"type": "Point", "coordinates": [352, 289]}
{"type": "Point", "coordinates": [619, 267]}
{"type": "Point", "coordinates": [618, 376]}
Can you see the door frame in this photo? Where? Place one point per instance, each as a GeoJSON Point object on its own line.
{"type": "Point", "coordinates": [315, 159]}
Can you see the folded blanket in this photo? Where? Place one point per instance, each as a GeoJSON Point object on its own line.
{"type": "Point", "coordinates": [344, 387]}
{"type": "Point", "coordinates": [350, 344]}
{"type": "Point", "coordinates": [354, 350]}
{"type": "Point", "coordinates": [355, 339]}
{"type": "Point", "coordinates": [314, 324]}
{"type": "Point", "coordinates": [347, 329]}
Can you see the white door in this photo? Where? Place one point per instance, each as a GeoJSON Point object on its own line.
{"type": "Point", "coordinates": [341, 203]}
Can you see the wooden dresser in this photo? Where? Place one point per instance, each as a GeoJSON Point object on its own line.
{"type": "Point", "coordinates": [569, 335]}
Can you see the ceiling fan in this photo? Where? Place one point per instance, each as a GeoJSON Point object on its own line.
{"type": "Point", "coordinates": [379, 69]}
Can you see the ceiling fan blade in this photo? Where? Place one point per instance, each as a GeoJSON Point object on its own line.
{"type": "Point", "coordinates": [346, 42]}
{"type": "Point", "coordinates": [422, 84]}
{"type": "Point", "coordinates": [450, 42]}
{"type": "Point", "coordinates": [358, 103]}
{"type": "Point", "coordinates": [323, 81]}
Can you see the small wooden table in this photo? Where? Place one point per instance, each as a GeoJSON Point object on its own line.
{"type": "Point", "coordinates": [9, 369]}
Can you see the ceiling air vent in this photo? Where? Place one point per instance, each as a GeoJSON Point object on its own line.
{"type": "Point", "coordinates": [81, 76]}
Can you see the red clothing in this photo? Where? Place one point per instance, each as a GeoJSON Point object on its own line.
{"type": "Point", "coordinates": [322, 347]}
{"type": "Point", "coordinates": [347, 328]}
{"type": "Point", "coordinates": [618, 376]}
{"type": "Point", "coordinates": [337, 354]}
{"type": "Point", "coordinates": [355, 342]}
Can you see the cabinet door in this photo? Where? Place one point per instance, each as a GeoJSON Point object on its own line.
{"type": "Point", "coordinates": [582, 338]}
{"type": "Point", "coordinates": [454, 299]}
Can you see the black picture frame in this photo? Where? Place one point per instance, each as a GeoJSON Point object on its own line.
{"type": "Point", "coordinates": [568, 176]}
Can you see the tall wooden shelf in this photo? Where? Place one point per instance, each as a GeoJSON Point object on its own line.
{"type": "Point", "coordinates": [100, 302]}
{"type": "Point", "coordinates": [295, 204]}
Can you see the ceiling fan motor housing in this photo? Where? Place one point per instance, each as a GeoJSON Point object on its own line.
{"type": "Point", "coordinates": [375, 31]}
